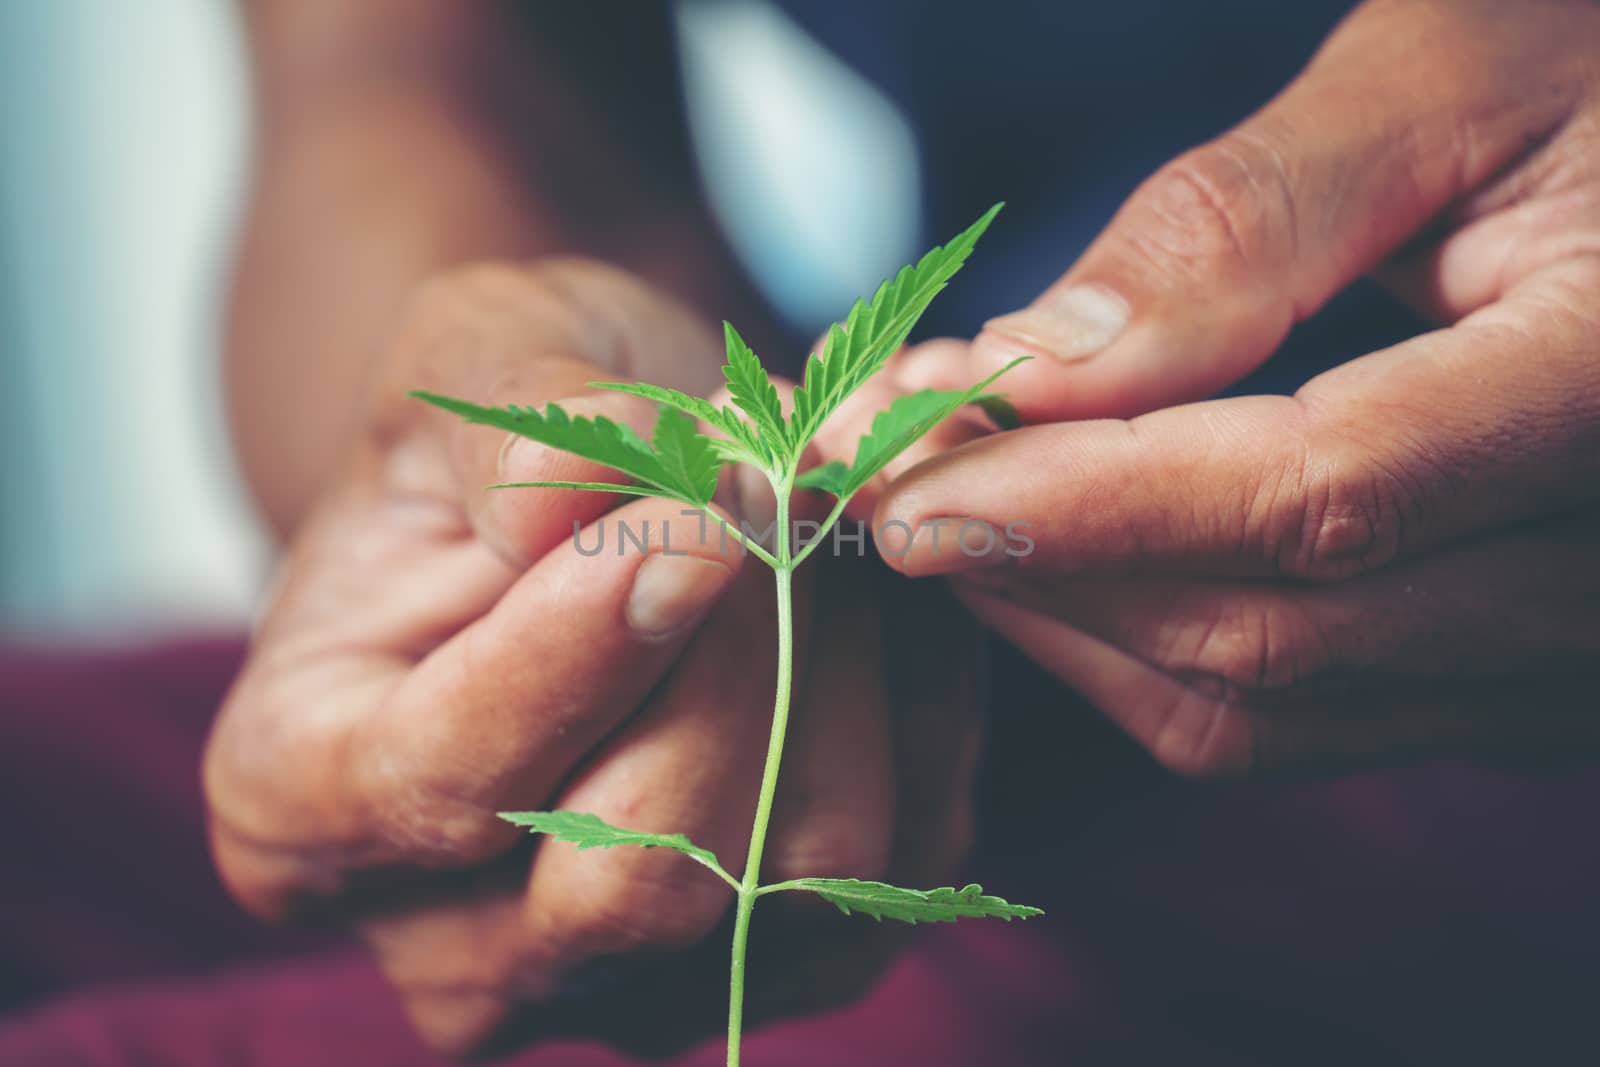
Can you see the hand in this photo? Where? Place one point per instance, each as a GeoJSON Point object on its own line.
{"type": "Point", "coordinates": [1401, 558]}
{"type": "Point", "coordinates": [436, 653]}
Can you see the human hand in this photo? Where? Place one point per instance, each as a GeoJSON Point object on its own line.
{"type": "Point", "coordinates": [1399, 559]}
{"type": "Point", "coordinates": [435, 653]}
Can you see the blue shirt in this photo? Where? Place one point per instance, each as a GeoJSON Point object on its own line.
{"type": "Point", "coordinates": [1061, 108]}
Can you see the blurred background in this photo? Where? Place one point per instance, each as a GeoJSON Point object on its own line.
{"type": "Point", "coordinates": [123, 155]}
{"type": "Point", "coordinates": [125, 147]}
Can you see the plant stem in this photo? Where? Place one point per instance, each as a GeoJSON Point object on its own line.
{"type": "Point", "coordinates": [783, 574]}
{"type": "Point", "coordinates": [748, 545]}
{"type": "Point", "coordinates": [823, 532]}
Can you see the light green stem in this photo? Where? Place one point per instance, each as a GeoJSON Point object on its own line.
{"type": "Point", "coordinates": [783, 573]}
{"type": "Point", "coordinates": [744, 542]}
{"type": "Point", "coordinates": [822, 533]}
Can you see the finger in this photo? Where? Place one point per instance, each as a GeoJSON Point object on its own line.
{"type": "Point", "coordinates": [934, 730]}
{"type": "Point", "coordinates": [460, 966]}
{"type": "Point", "coordinates": [468, 972]}
{"type": "Point", "coordinates": [476, 1001]}
{"type": "Point", "coordinates": [492, 718]}
{"type": "Point", "coordinates": [1207, 266]}
{"type": "Point", "coordinates": [1200, 730]}
{"type": "Point", "coordinates": [835, 809]}
{"type": "Point", "coordinates": [1188, 731]}
{"type": "Point", "coordinates": [691, 762]}
{"type": "Point", "coordinates": [840, 437]}
{"type": "Point", "coordinates": [500, 335]}
{"type": "Point", "coordinates": [522, 524]}
{"type": "Point", "coordinates": [453, 962]}
{"type": "Point", "coordinates": [1510, 602]}
{"type": "Point", "coordinates": [1218, 675]}
{"type": "Point", "coordinates": [1493, 421]}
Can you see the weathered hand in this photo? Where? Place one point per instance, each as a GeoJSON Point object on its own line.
{"type": "Point", "coordinates": [436, 653]}
{"type": "Point", "coordinates": [1401, 557]}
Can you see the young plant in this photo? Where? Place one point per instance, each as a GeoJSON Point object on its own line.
{"type": "Point", "coordinates": [680, 463]}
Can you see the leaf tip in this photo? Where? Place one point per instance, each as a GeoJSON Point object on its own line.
{"type": "Point", "coordinates": [438, 400]}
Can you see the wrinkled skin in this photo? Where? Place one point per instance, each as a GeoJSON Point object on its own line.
{"type": "Point", "coordinates": [1400, 559]}
{"type": "Point", "coordinates": [435, 653]}
{"type": "Point", "coordinates": [1397, 561]}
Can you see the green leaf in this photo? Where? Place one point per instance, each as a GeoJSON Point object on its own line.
{"type": "Point", "coordinates": [673, 398]}
{"type": "Point", "coordinates": [743, 444]}
{"type": "Point", "coordinates": [899, 426]}
{"type": "Point", "coordinates": [688, 458]}
{"type": "Point", "coordinates": [829, 477]}
{"type": "Point", "coordinates": [752, 390]}
{"type": "Point", "coordinates": [873, 331]}
{"type": "Point", "coordinates": [584, 830]}
{"type": "Point", "coordinates": [1000, 410]}
{"type": "Point", "coordinates": [908, 905]}
{"type": "Point", "coordinates": [680, 476]}
{"type": "Point", "coordinates": [593, 487]}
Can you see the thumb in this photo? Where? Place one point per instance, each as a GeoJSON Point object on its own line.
{"type": "Point", "coordinates": [1203, 271]}
{"type": "Point", "coordinates": [500, 335]}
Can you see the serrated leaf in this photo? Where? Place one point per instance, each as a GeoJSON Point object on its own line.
{"type": "Point", "coordinates": [690, 405]}
{"type": "Point", "coordinates": [882, 901]}
{"type": "Point", "coordinates": [584, 830]}
{"type": "Point", "coordinates": [899, 426]}
{"type": "Point", "coordinates": [872, 332]}
{"type": "Point", "coordinates": [687, 457]}
{"type": "Point", "coordinates": [739, 450]}
{"type": "Point", "coordinates": [602, 441]}
{"type": "Point", "coordinates": [593, 487]}
{"type": "Point", "coordinates": [743, 444]}
{"type": "Point", "coordinates": [752, 389]}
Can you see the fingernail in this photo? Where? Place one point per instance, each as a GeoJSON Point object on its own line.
{"type": "Point", "coordinates": [671, 591]}
{"type": "Point", "coordinates": [1070, 325]}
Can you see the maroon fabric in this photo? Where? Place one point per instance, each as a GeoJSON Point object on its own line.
{"type": "Point", "coordinates": [1432, 916]}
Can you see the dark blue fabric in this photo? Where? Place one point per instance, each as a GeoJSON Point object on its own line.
{"type": "Point", "coordinates": [1060, 107]}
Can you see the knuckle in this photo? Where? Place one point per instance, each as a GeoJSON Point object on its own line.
{"type": "Point", "coordinates": [1351, 523]}
{"type": "Point", "coordinates": [459, 1025]}
{"type": "Point", "coordinates": [446, 833]}
{"type": "Point", "coordinates": [1204, 733]}
{"type": "Point", "coordinates": [293, 810]}
{"type": "Point", "coordinates": [656, 901]}
{"type": "Point", "coordinates": [421, 815]}
{"type": "Point", "coordinates": [471, 293]}
{"type": "Point", "coordinates": [251, 883]}
{"type": "Point", "coordinates": [1331, 512]}
{"type": "Point", "coordinates": [1254, 643]}
{"type": "Point", "coordinates": [845, 845]}
{"type": "Point", "coordinates": [455, 968]}
{"type": "Point", "coordinates": [267, 827]}
{"type": "Point", "coordinates": [504, 306]}
{"type": "Point", "coordinates": [1223, 206]}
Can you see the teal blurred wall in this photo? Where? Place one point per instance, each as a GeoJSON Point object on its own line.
{"type": "Point", "coordinates": [122, 133]}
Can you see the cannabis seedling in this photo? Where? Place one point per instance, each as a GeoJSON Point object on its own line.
{"type": "Point", "coordinates": [680, 463]}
